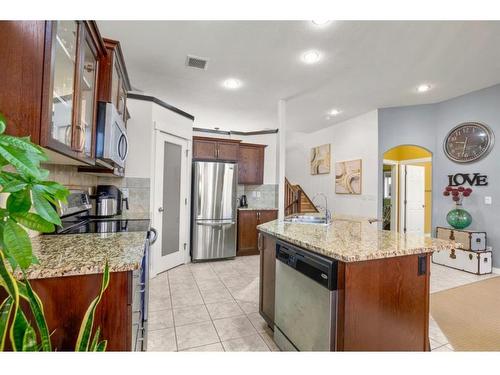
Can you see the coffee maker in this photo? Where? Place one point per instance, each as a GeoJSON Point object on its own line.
{"type": "Point", "coordinates": [109, 201]}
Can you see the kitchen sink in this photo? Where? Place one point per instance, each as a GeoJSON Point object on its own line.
{"type": "Point", "coordinates": [307, 219]}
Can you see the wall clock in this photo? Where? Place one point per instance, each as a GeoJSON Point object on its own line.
{"type": "Point", "coordinates": [468, 142]}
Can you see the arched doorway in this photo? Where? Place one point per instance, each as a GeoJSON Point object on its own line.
{"type": "Point", "coordinates": [407, 190]}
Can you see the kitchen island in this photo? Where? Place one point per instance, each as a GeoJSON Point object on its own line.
{"type": "Point", "coordinates": [371, 293]}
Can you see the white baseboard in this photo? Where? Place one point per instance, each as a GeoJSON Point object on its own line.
{"type": "Point", "coordinates": [496, 270]}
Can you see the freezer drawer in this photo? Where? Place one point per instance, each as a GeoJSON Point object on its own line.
{"type": "Point", "coordinates": [213, 239]}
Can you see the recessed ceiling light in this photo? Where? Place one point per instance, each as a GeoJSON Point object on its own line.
{"type": "Point", "coordinates": [311, 57]}
{"type": "Point", "coordinates": [232, 83]}
{"type": "Point", "coordinates": [320, 22]}
{"type": "Point", "coordinates": [334, 112]}
{"type": "Point", "coordinates": [424, 87]}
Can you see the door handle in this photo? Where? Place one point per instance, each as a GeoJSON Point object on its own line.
{"type": "Point", "coordinates": [160, 209]}
{"type": "Point", "coordinates": [216, 224]}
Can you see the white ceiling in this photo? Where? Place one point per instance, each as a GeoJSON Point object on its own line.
{"type": "Point", "coordinates": [365, 65]}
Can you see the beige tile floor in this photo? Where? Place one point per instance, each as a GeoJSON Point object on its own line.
{"type": "Point", "coordinates": [214, 306]}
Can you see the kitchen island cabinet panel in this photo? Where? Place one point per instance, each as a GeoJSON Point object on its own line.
{"type": "Point", "coordinates": [267, 248]}
{"type": "Point", "coordinates": [386, 305]}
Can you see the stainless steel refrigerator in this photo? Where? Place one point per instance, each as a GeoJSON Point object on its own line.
{"type": "Point", "coordinates": [213, 205]}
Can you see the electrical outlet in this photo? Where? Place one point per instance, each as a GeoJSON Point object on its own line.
{"type": "Point", "coordinates": [488, 200]}
{"type": "Point", "coordinates": [258, 194]}
{"type": "Point", "coordinates": [254, 194]}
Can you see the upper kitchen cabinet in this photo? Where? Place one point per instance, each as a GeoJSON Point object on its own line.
{"type": "Point", "coordinates": [70, 81]}
{"type": "Point", "coordinates": [49, 91]}
{"type": "Point", "coordinates": [251, 164]}
{"type": "Point", "coordinates": [114, 82]}
{"type": "Point", "coordinates": [206, 148]}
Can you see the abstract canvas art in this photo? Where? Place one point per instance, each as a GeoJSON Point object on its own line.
{"type": "Point", "coordinates": [348, 177]}
{"type": "Point", "coordinates": [320, 159]}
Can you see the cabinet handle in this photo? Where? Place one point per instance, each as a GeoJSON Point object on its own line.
{"type": "Point", "coordinates": [217, 151]}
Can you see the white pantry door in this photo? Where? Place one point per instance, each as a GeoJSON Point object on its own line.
{"type": "Point", "coordinates": [413, 213]}
{"type": "Point", "coordinates": [170, 202]}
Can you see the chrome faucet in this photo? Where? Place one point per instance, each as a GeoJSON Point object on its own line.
{"type": "Point", "coordinates": [328, 215]}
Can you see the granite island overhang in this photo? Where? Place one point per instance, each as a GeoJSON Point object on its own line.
{"type": "Point", "coordinates": [382, 286]}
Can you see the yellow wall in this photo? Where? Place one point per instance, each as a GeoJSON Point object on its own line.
{"type": "Point", "coordinates": [407, 152]}
{"type": "Point", "coordinates": [402, 153]}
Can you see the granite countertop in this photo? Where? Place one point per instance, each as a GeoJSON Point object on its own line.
{"type": "Point", "coordinates": [81, 254]}
{"type": "Point", "coordinates": [257, 209]}
{"type": "Point", "coordinates": [353, 239]}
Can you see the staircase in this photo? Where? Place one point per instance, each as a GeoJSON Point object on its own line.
{"type": "Point", "coordinates": [296, 200]}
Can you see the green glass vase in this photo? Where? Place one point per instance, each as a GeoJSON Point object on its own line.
{"type": "Point", "coordinates": [458, 218]}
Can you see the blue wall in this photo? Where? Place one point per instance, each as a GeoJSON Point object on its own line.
{"type": "Point", "coordinates": [427, 126]}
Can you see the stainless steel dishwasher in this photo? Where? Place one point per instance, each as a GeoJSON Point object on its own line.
{"type": "Point", "coordinates": [305, 300]}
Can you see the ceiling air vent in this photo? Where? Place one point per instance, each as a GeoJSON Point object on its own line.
{"type": "Point", "coordinates": [196, 62]}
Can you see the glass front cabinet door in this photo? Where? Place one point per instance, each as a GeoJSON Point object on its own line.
{"type": "Point", "coordinates": [74, 68]}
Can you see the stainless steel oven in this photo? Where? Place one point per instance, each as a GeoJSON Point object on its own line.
{"type": "Point", "coordinates": [111, 138]}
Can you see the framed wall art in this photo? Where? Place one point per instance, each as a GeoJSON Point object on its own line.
{"type": "Point", "coordinates": [320, 159]}
{"type": "Point", "coordinates": [348, 176]}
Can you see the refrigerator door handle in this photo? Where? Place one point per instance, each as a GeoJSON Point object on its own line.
{"type": "Point", "coordinates": [212, 224]}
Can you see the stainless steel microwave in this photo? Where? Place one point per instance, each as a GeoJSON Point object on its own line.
{"type": "Point", "coordinates": [111, 138]}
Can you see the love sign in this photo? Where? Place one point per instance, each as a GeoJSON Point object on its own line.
{"type": "Point", "coordinates": [474, 179]}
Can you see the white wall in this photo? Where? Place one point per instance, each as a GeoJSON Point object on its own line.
{"type": "Point", "coordinates": [140, 135]}
{"type": "Point", "coordinates": [270, 153]}
{"type": "Point", "coordinates": [356, 138]}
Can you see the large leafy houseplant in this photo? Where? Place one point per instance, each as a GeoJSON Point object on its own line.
{"type": "Point", "coordinates": [30, 204]}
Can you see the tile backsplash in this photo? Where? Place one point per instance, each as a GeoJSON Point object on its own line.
{"type": "Point", "coordinates": [260, 196]}
{"type": "Point", "coordinates": [136, 188]}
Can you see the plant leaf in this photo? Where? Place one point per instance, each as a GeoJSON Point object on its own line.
{"type": "Point", "coordinates": [37, 310]}
{"type": "Point", "coordinates": [95, 340]}
{"type": "Point", "coordinates": [19, 201]}
{"type": "Point", "coordinates": [101, 347]}
{"type": "Point", "coordinates": [83, 340]}
{"type": "Point", "coordinates": [20, 143]}
{"type": "Point", "coordinates": [8, 281]}
{"type": "Point", "coordinates": [44, 208]}
{"type": "Point", "coordinates": [18, 329]}
{"type": "Point", "coordinates": [33, 221]}
{"type": "Point", "coordinates": [20, 161]}
{"type": "Point", "coordinates": [18, 243]}
{"type": "Point", "coordinates": [3, 123]}
{"type": "Point", "coordinates": [29, 340]}
{"type": "Point", "coordinates": [5, 310]}
{"type": "Point", "coordinates": [13, 186]}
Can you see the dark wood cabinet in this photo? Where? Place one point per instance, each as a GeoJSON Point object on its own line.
{"type": "Point", "coordinates": [114, 82]}
{"type": "Point", "coordinates": [394, 294]}
{"type": "Point", "coordinates": [21, 70]}
{"type": "Point", "coordinates": [251, 164]}
{"type": "Point", "coordinates": [248, 220]}
{"type": "Point", "coordinates": [267, 248]}
{"type": "Point", "coordinates": [250, 157]}
{"type": "Point", "coordinates": [49, 91]}
{"type": "Point", "coordinates": [206, 148]}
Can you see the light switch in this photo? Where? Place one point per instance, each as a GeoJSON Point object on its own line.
{"type": "Point", "coordinates": [487, 200]}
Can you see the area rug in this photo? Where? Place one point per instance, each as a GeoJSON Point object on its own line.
{"type": "Point", "coordinates": [469, 315]}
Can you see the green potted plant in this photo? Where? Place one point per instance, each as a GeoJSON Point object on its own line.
{"type": "Point", "coordinates": [30, 204]}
